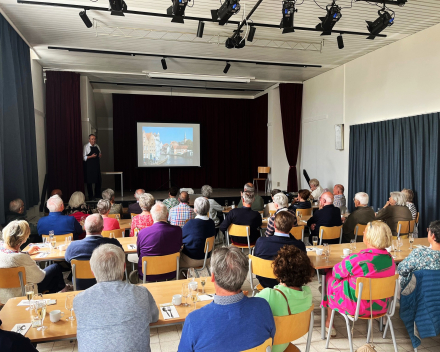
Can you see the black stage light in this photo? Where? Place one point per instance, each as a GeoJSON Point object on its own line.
{"type": "Point", "coordinates": [118, 7]}
{"type": "Point", "coordinates": [224, 13]}
{"type": "Point", "coordinates": [340, 42]}
{"type": "Point", "coordinates": [329, 21]}
{"type": "Point", "coordinates": [383, 21]}
{"type": "Point", "coordinates": [200, 29]}
{"type": "Point", "coordinates": [288, 13]}
{"type": "Point", "coordinates": [227, 67]}
{"type": "Point", "coordinates": [230, 43]}
{"type": "Point", "coordinates": [85, 19]}
{"type": "Point", "coordinates": [177, 10]}
{"type": "Point", "coordinates": [164, 63]}
{"type": "Point", "coordinates": [251, 34]}
{"type": "Point", "coordinates": [236, 41]}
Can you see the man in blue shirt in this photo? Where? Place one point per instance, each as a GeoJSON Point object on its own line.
{"type": "Point", "coordinates": [57, 222]}
{"type": "Point", "coordinates": [233, 322]}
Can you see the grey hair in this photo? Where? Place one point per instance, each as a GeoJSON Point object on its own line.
{"type": "Point", "coordinates": [77, 199]}
{"type": "Point", "coordinates": [108, 194]}
{"type": "Point", "coordinates": [409, 194]}
{"type": "Point", "coordinates": [281, 199]}
{"type": "Point", "coordinates": [207, 191]}
{"type": "Point", "coordinates": [15, 205]}
{"type": "Point", "coordinates": [138, 193]}
{"type": "Point", "coordinates": [104, 206]}
{"type": "Point", "coordinates": [201, 206]}
{"type": "Point", "coordinates": [146, 201]}
{"type": "Point", "coordinates": [399, 198]}
{"type": "Point", "coordinates": [328, 197]}
{"type": "Point", "coordinates": [54, 203]}
{"type": "Point", "coordinates": [248, 188]}
{"type": "Point", "coordinates": [362, 197]}
{"type": "Point", "coordinates": [314, 182]}
{"type": "Point", "coordinates": [248, 197]}
{"type": "Point", "coordinates": [159, 212]}
{"type": "Point", "coordinates": [94, 224]}
{"type": "Point", "coordinates": [107, 263]}
{"type": "Point", "coordinates": [230, 268]}
{"type": "Point", "coordinates": [16, 233]}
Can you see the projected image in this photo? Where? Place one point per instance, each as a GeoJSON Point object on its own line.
{"type": "Point", "coordinates": [167, 146]}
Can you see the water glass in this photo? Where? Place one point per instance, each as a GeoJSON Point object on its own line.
{"type": "Point", "coordinates": [399, 243]}
{"type": "Point", "coordinates": [203, 282]}
{"type": "Point", "coordinates": [185, 293]}
{"type": "Point", "coordinates": [112, 235]}
{"type": "Point", "coordinates": [394, 245]}
{"type": "Point", "coordinates": [69, 306]}
{"type": "Point", "coordinates": [40, 307]}
{"type": "Point", "coordinates": [411, 241]}
{"type": "Point", "coordinates": [326, 251]}
{"type": "Point", "coordinates": [352, 245]}
{"type": "Point", "coordinates": [194, 297]}
{"type": "Point", "coordinates": [315, 241]}
{"type": "Point", "coordinates": [191, 274]}
{"type": "Point", "coordinates": [30, 290]}
{"type": "Point", "coordinates": [226, 203]}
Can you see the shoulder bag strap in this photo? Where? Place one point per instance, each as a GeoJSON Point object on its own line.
{"type": "Point", "coordinates": [288, 308]}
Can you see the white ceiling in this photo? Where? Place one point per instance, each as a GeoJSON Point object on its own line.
{"type": "Point", "coordinates": [44, 26]}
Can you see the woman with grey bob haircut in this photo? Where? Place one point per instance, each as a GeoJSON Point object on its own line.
{"type": "Point", "coordinates": [103, 208]}
{"type": "Point", "coordinates": [109, 194]}
{"type": "Point", "coordinates": [108, 263]}
{"type": "Point", "coordinates": [230, 268]}
{"type": "Point", "coordinates": [214, 207]}
{"type": "Point", "coordinates": [394, 210]}
{"type": "Point", "coordinates": [77, 204]}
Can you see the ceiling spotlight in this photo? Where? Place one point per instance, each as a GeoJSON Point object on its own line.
{"type": "Point", "coordinates": [177, 10]}
{"type": "Point", "coordinates": [251, 34]}
{"type": "Point", "coordinates": [383, 21]}
{"type": "Point", "coordinates": [85, 19]}
{"type": "Point", "coordinates": [164, 63]}
{"type": "Point", "coordinates": [340, 42]}
{"type": "Point", "coordinates": [200, 29]}
{"type": "Point", "coordinates": [329, 21]}
{"type": "Point", "coordinates": [236, 41]}
{"type": "Point", "coordinates": [227, 67]}
{"type": "Point", "coordinates": [118, 7]}
{"type": "Point", "coordinates": [287, 20]}
{"type": "Point", "coordinates": [224, 13]}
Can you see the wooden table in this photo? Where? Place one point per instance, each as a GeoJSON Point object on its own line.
{"type": "Point", "coordinates": [162, 293]}
{"type": "Point", "coordinates": [125, 224]}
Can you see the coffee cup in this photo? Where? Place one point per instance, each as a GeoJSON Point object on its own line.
{"type": "Point", "coordinates": [319, 251]}
{"type": "Point", "coordinates": [55, 315]}
{"type": "Point", "coordinates": [177, 300]}
{"type": "Point", "coordinates": [62, 247]}
{"type": "Point", "coordinates": [346, 251]}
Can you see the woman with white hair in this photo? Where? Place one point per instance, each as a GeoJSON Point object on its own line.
{"type": "Point", "coordinates": [77, 206]}
{"type": "Point", "coordinates": [214, 207]}
{"type": "Point", "coordinates": [394, 210]}
{"type": "Point", "coordinates": [144, 219]}
{"type": "Point", "coordinates": [103, 208]}
{"type": "Point", "coordinates": [109, 194]}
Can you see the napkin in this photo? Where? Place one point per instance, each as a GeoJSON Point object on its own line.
{"type": "Point", "coordinates": [25, 302]}
{"type": "Point", "coordinates": [169, 312]}
{"type": "Point", "coordinates": [42, 255]}
{"type": "Point", "coordinates": [132, 246]}
{"type": "Point", "coordinates": [206, 298]}
{"type": "Point", "coordinates": [310, 249]}
{"type": "Point", "coordinates": [21, 328]}
{"type": "Point", "coordinates": [41, 245]}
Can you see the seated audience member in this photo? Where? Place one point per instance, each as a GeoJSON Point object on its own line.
{"type": "Point", "coordinates": [258, 204]}
{"type": "Point", "coordinates": [209, 328]}
{"type": "Point", "coordinates": [302, 201]}
{"type": "Point", "coordinates": [159, 239]}
{"type": "Point", "coordinates": [49, 279]}
{"type": "Point", "coordinates": [82, 250]}
{"type": "Point", "coordinates": [77, 206]}
{"type": "Point", "coordinates": [172, 201]}
{"type": "Point", "coordinates": [316, 189]}
{"type": "Point", "coordinates": [244, 216]}
{"type": "Point", "coordinates": [214, 207]}
{"type": "Point", "coordinates": [109, 194]}
{"type": "Point", "coordinates": [134, 208]}
{"type": "Point", "coordinates": [327, 215]}
{"type": "Point", "coordinates": [341, 280]}
{"type": "Point", "coordinates": [194, 233]}
{"type": "Point", "coordinates": [281, 202]}
{"type": "Point", "coordinates": [271, 205]}
{"type": "Point", "coordinates": [103, 208]}
{"type": "Point", "coordinates": [339, 198]}
{"type": "Point", "coordinates": [57, 222]}
{"type": "Point", "coordinates": [394, 210]}
{"type": "Point", "coordinates": [55, 192]}
{"type": "Point", "coordinates": [363, 214]}
{"type": "Point", "coordinates": [113, 315]}
{"type": "Point", "coordinates": [12, 341]}
{"type": "Point", "coordinates": [409, 195]}
{"type": "Point", "coordinates": [143, 220]}
{"type": "Point", "coordinates": [17, 211]}
{"type": "Point", "coordinates": [294, 271]}
{"type": "Point", "coordinates": [268, 247]}
{"type": "Point", "coordinates": [423, 258]}
{"type": "Point", "coordinates": [179, 214]}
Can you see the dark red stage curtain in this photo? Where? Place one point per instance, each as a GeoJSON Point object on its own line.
{"type": "Point", "coordinates": [63, 133]}
{"type": "Point", "coordinates": [233, 139]}
{"type": "Point", "coordinates": [291, 106]}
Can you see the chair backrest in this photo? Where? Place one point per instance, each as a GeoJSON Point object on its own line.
{"type": "Point", "coordinates": [304, 212]}
{"type": "Point", "coordinates": [163, 264]}
{"type": "Point", "coordinates": [261, 267]}
{"type": "Point", "coordinates": [113, 216]}
{"type": "Point", "coordinates": [285, 333]}
{"type": "Point", "coordinates": [119, 233]}
{"type": "Point", "coordinates": [81, 270]}
{"type": "Point", "coordinates": [382, 288]}
{"type": "Point", "coordinates": [13, 278]}
{"type": "Point", "coordinates": [330, 233]}
{"type": "Point", "coordinates": [60, 238]}
{"type": "Point", "coordinates": [405, 227]}
{"type": "Point", "coordinates": [238, 230]}
{"type": "Point", "coordinates": [132, 215]}
{"type": "Point", "coordinates": [359, 230]}
{"type": "Point", "coordinates": [209, 244]}
{"type": "Point", "coordinates": [266, 346]}
{"type": "Point", "coordinates": [417, 218]}
{"type": "Point", "coordinates": [298, 233]}
{"type": "Point", "coordinates": [263, 169]}
{"type": "Point", "coordinates": [272, 212]}
{"type": "Point", "coordinates": [187, 220]}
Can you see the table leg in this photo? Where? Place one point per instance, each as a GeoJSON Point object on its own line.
{"type": "Point", "coordinates": [323, 310]}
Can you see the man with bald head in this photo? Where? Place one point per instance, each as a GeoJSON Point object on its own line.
{"type": "Point", "coordinates": [326, 215]}
{"type": "Point", "coordinates": [82, 250]}
{"type": "Point", "coordinates": [179, 214]}
{"type": "Point", "coordinates": [258, 203]}
{"type": "Point", "coordinates": [135, 208]}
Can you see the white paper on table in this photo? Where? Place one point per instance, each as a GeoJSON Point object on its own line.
{"type": "Point", "coordinates": [132, 246]}
{"type": "Point", "coordinates": [21, 328]}
{"type": "Point", "coordinates": [42, 255]}
{"type": "Point", "coordinates": [25, 302]}
{"type": "Point", "coordinates": [170, 313]}
{"type": "Point", "coordinates": [41, 245]}
{"type": "Point", "coordinates": [206, 298]}
{"type": "Point", "coordinates": [420, 246]}
{"type": "Point", "coordinates": [310, 249]}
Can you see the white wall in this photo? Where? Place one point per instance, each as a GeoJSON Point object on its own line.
{"type": "Point", "coordinates": [399, 80]}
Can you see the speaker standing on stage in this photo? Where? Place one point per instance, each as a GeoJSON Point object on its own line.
{"type": "Point", "coordinates": [92, 169]}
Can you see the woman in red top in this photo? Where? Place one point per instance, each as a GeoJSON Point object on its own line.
{"type": "Point", "coordinates": [104, 206]}
{"type": "Point", "coordinates": [144, 219]}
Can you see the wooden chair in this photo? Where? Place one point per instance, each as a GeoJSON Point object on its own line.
{"type": "Point", "coordinates": [60, 238]}
{"type": "Point", "coordinates": [381, 288]}
{"type": "Point", "coordinates": [239, 231]}
{"type": "Point", "coordinates": [266, 346]}
{"type": "Point", "coordinates": [417, 218]}
{"type": "Point", "coordinates": [304, 212]}
{"type": "Point", "coordinates": [298, 232]}
{"type": "Point", "coordinates": [263, 170]}
{"type": "Point", "coordinates": [13, 278]}
{"type": "Point", "coordinates": [303, 323]}
{"type": "Point", "coordinates": [330, 233]}
{"type": "Point", "coordinates": [163, 264]}
{"type": "Point", "coordinates": [209, 246]}
{"type": "Point", "coordinates": [404, 228]}
{"type": "Point", "coordinates": [359, 231]}
{"type": "Point", "coordinates": [81, 270]}
{"type": "Point", "coordinates": [260, 267]}
{"type": "Point", "coordinates": [119, 233]}
{"type": "Point", "coordinates": [114, 216]}
{"type": "Point", "coordinates": [132, 215]}
{"type": "Point", "coordinates": [272, 212]}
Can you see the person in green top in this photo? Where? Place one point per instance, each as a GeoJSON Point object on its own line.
{"type": "Point", "coordinates": [293, 269]}
{"type": "Point", "coordinates": [258, 203]}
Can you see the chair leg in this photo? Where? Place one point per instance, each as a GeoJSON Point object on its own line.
{"type": "Point", "coordinates": [392, 333]}
{"type": "Point", "coordinates": [381, 324]}
{"type": "Point", "coordinates": [370, 324]}
{"type": "Point", "coordinates": [350, 342]}
{"type": "Point", "coordinates": [323, 310]}
{"type": "Point", "coordinates": [385, 330]}
{"type": "Point", "coordinates": [329, 334]}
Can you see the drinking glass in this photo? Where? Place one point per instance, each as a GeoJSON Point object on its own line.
{"type": "Point", "coordinates": [69, 306]}
{"type": "Point", "coordinates": [411, 241]}
{"type": "Point", "coordinates": [191, 275]}
{"type": "Point", "coordinates": [53, 241]}
{"type": "Point", "coordinates": [45, 241]}
{"type": "Point", "coordinates": [185, 294]}
{"type": "Point", "coordinates": [394, 246]}
{"type": "Point", "coordinates": [40, 309]}
{"type": "Point", "coordinates": [326, 251]}
{"type": "Point", "coordinates": [315, 241]}
{"type": "Point", "coordinates": [194, 297]}
{"type": "Point", "coordinates": [30, 290]}
{"type": "Point", "coordinates": [226, 203]}
{"type": "Point", "coordinates": [112, 235]}
{"type": "Point", "coordinates": [233, 204]}
{"type": "Point", "coordinates": [352, 245]}
{"type": "Point", "coordinates": [399, 243]}
{"type": "Point", "coordinates": [118, 216]}
{"type": "Point", "coordinates": [203, 282]}
{"type": "Point", "coordinates": [82, 221]}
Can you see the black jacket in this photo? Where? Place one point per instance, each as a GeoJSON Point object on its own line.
{"type": "Point", "coordinates": [134, 208]}
{"type": "Point", "coordinates": [243, 216]}
{"type": "Point", "coordinates": [328, 216]}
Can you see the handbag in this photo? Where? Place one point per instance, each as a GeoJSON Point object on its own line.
{"type": "Point", "coordinates": [368, 347]}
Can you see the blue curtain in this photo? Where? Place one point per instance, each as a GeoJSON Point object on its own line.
{"type": "Point", "coordinates": [391, 155]}
{"type": "Point", "coordinates": [18, 156]}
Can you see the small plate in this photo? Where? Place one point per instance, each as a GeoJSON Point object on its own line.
{"type": "Point", "coordinates": [344, 256]}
